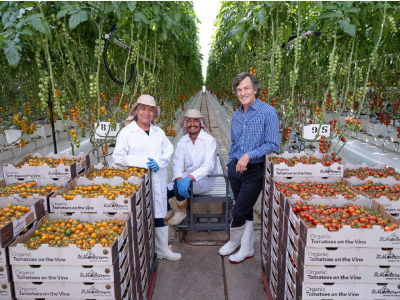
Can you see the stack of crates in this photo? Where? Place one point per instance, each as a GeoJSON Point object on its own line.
{"type": "Point", "coordinates": [11, 231]}
{"type": "Point", "coordinates": [22, 173]}
{"type": "Point", "coordinates": [140, 208]}
{"type": "Point", "coordinates": [275, 221]}
{"type": "Point", "coordinates": [151, 261]}
{"type": "Point", "coordinates": [301, 262]}
{"type": "Point", "coordinates": [101, 272]}
{"type": "Point", "coordinates": [45, 174]}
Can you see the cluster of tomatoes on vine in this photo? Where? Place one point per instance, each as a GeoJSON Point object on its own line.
{"type": "Point", "coordinates": [333, 218]}
{"type": "Point", "coordinates": [286, 134]}
{"type": "Point", "coordinates": [385, 118]}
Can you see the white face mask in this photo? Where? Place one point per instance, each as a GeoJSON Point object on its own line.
{"type": "Point", "coordinates": [201, 122]}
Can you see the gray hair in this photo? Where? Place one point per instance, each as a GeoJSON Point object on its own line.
{"type": "Point", "coordinates": [200, 119]}
{"type": "Point", "coordinates": [135, 118]}
{"type": "Point", "coordinates": [254, 82]}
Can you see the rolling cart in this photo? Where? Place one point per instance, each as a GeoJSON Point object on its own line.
{"type": "Point", "coordinates": [221, 192]}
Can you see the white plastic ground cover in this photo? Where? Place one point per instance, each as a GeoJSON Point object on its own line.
{"type": "Point", "coordinates": [14, 135]}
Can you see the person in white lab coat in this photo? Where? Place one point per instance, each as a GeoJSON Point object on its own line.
{"type": "Point", "coordinates": [142, 144]}
{"type": "Point", "coordinates": [195, 158]}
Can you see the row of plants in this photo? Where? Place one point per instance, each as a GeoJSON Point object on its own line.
{"type": "Point", "coordinates": [55, 50]}
{"type": "Point", "coordinates": [312, 59]}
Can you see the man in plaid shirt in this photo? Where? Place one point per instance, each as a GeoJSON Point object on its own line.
{"type": "Point", "coordinates": [254, 133]}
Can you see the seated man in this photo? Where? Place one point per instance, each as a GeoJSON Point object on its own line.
{"type": "Point", "coordinates": [195, 158]}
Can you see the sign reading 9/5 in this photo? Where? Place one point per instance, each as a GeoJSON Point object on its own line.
{"type": "Point", "coordinates": [102, 130]}
{"type": "Point", "coordinates": [310, 131]}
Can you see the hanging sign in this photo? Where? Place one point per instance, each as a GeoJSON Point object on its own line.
{"type": "Point", "coordinates": [101, 131]}
{"type": "Point", "coordinates": [310, 131]}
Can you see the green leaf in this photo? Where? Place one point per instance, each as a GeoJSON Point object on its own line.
{"type": "Point", "coordinates": [156, 9]}
{"type": "Point", "coordinates": [33, 16]}
{"type": "Point", "coordinates": [287, 33]}
{"type": "Point", "coordinates": [116, 9]}
{"type": "Point", "coordinates": [108, 7]}
{"type": "Point", "coordinates": [27, 31]}
{"type": "Point", "coordinates": [354, 10]}
{"type": "Point", "coordinates": [9, 24]}
{"type": "Point", "coordinates": [347, 27]}
{"type": "Point", "coordinates": [131, 5]}
{"type": "Point", "coordinates": [13, 56]}
{"type": "Point", "coordinates": [319, 4]}
{"type": "Point", "coordinates": [168, 21]}
{"type": "Point", "coordinates": [330, 15]}
{"type": "Point", "coordinates": [62, 13]}
{"type": "Point", "coordinates": [347, 4]}
{"type": "Point", "coordinates": [77, 19]}
{"type": "Point", "coordinates": [260, 15]}
{"type": "Point", "coordinates": [41, 25]}
{"type": "Point", "coordinates": [330, 6]}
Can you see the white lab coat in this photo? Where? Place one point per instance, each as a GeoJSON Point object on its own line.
{"type": "Point", "coordinates": [134, 147]}
{"type": "Point", "coordinates": [199, 160]}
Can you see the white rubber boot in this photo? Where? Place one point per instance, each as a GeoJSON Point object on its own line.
{"type": "Point", "coordinates": [180, 213]}
{"type": "Point", "coordinates": [247, 245]}
{"type": "Point", "coordinates": [162, 249]}
{"type": "Point", "coordinates": [234, 241]}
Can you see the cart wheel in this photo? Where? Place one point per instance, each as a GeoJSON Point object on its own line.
{"type": "Point", "coordinates": [181, 237]}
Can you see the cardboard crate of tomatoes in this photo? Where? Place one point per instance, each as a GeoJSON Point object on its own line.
{"type": "Point", "coordinates": [28, 188]}
{"type": "Point", "coordinates": [53, 165]}
{"type": "Point", "coordinates": [114, 171]}
{"type": "Point", "coordinates": [306, 188]}
{"type": "Point", "coordinates": [84, 195]}
{"type": "Point", "coordinates": [16, 216]}
{"type": "Point", "coordinates": [78, 290]}
{"type": "Point", "coordinates": [302, 164]}
{"type": "Point", "coordinates": [63, 251]}
{"type": "Point", "coordinates": [385, 191]}
{"type": "Point", "coordinates": [307, 239]}
{"type": "Point", "coordinates": [54, 241]}
{"type": "Point", "coordinates": [364, 172]}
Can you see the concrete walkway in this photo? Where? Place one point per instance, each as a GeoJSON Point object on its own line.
{"type": "Point", "coordinates": [202, 273]}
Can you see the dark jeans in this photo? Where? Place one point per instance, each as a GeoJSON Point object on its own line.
{"type": "Point", "coordinates": [246, 188]}
{"type": "Point", "coordinates": [174, 193]}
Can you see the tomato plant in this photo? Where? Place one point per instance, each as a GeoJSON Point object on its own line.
{"type": "Point", "coordinates": [316, 62]}
{"type": "Point", "coordinates": [55, 50]}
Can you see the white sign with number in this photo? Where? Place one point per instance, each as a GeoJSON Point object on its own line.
{"type": "Point", "coordinates": [102, 130]}
{"type": "Point", "coordinates": [310, 131]}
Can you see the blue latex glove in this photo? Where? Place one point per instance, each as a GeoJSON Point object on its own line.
{"type": "Point", "coordinates": [152, 164]}
{"type": "Point", "coordinates": [184, 187]}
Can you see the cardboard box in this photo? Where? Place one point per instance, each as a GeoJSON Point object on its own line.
{"type": "Point", "coordinates": [300, 169]}
{"type": "Point", "coordinates": [343, 256]}
{"type": "Point", "coordinates": [391, 207]}
{"type": "Point", "coordinates": [343, 274]}
{"type": "Point", "coordinates": [6, 291]}
{"type": "Point", "coordinates": [72, 255]}
{"type": "Point", "coordinates": [121, 204]}
{"type": "Point", "coordinates": [39, 182]}
{"type": "Point", "coordinates": [346, 237]}
{"type": "Point", "coordinates": [267, 182]}
{"type": "Point", "coordinates": [61, 171]}
{"type": "Point", "coordinates": [100, 166]}
{"type": "Point", "coordinates": [5, 274]}
{"type": "Point", "coordinates": [12, 229]}
{"type": "Point", "coordinates": [63, 273]}
{"type": "Point", "coordinates": [347, 166]}
{"type": "Point", "coordinates": [54, 290]}
{"type": "Point", "coordinates": [278, 196]}
{"type": "Point", "coordinates": [317, 291]}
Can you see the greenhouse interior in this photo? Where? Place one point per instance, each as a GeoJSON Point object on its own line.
{"type": "Point", "coordinates": [190, 150]}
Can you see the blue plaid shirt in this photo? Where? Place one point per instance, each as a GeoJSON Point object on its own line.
{"type": "Point", "coordinates": [255, 132]}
